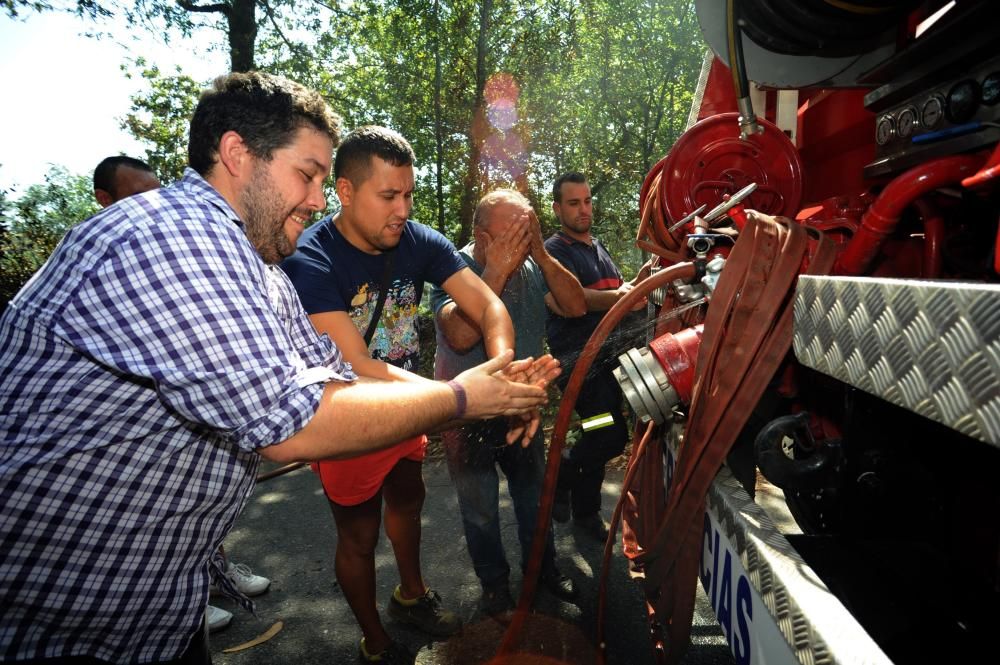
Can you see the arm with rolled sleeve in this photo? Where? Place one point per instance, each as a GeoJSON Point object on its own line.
{"type": "Point", "coordinates": [193, 320]}
{"type": "Point", "coordinates": [595, 300]}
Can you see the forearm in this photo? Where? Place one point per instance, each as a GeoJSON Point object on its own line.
{"type": "Point", "coordinates": [600, 301]}
{"type": "Point", "coordinates": [458, 330]}
{"type": "Point", "coordinates": [378, 369]}
{"type": "Point", "coordinates": [494, 279]}
{"type": "Point", "coordinates": [499, 331]}
{"type": "Point", "coordinates": [484, 308]}
{"type": "Point", "coordinates": [564, 287]}
{"type": "Point", "coordinates": [353, 419]}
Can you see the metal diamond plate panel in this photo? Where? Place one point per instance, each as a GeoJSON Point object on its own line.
{"type": "Point", "coordinates": [930, 347]}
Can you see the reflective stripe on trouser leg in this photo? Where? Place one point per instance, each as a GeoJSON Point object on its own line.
{"type": "Point", "coordinates": [597, 422]}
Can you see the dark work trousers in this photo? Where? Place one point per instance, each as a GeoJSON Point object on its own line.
{"type": "Point", "coordinates": [474, 452]}
{"type": "Point", "coordinates": [581, 474]}
{"type": "Point", "coordinates": [197, 653]}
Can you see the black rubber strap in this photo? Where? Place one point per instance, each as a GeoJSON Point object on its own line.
{"type": "Point", "coordinates": [383, 291]}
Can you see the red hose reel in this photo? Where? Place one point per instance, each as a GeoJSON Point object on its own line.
{"type": "Point", "coordinates": [710, 160]}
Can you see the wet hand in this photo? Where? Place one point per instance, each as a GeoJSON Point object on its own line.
{"type": "Point", "coordinates": [536, 371]}
{"type": "Point", "coordinates": [490, 393]}
{"type": "Point", "coordinates": [624, 289]}
{"type": "Point", "coordinates": [537, 245]}
{"type": "Point", "coordinates": [523, 428]}
{"type": "Point", "coordinates": [506, 252]}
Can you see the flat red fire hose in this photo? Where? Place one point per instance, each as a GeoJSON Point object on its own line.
{"type": "Point", "coordinates": [748, 332]}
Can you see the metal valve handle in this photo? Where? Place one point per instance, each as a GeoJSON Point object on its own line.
{"type": "Point", "coordinates": [724, 207]}
{"type": "Point", "coordinates": [688, 217]}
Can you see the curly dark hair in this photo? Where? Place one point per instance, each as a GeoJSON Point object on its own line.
{"type": "Point", "coordinates": [265, 110]}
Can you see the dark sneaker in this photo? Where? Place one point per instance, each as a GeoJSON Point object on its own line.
{"type": "Point", "coordinates": [496, 599]}
{"type": "Point", "coordinates": [593, 526]}
{"type": "Point", "coordinates": [394, 654]}
{"type": "Point", "coordinates": [558, 585]}
{"type": "Point", "coordinates": [426, 614]}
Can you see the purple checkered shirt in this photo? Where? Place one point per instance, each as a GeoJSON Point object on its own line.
{"type": "Point", "coordinates": [140, 370]}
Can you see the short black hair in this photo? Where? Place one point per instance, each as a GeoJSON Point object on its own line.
{"type": "Point", "coordinates": [104, 174]}
{"type": "Point", "coordinates": [571, 176]}
{"type": "Point", "coordinates": [264, 109]}
{"type": "Point", "coordinates": [354, 157]}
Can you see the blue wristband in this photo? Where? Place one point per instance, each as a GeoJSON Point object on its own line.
{"type": "Point", "coordinates": [460, 398]}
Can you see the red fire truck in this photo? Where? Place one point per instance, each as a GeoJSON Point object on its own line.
{"type": "Point", "coordinates": [820, 402]}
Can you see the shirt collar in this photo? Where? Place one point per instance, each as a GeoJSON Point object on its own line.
{"type": "Point", "coordinates": [569, 240]}
{"type": "Point", "coordinates": [193, 183]}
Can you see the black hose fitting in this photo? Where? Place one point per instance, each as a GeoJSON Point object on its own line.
{"type": "Point", "coordinates": [793, 473]}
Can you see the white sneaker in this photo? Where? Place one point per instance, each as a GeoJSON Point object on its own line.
{"type": "Point", "coordinates": [217, 618]}
{"type": "Point", "coordinates": [244, 579]}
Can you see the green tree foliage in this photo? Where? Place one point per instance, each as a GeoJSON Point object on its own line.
{"type": "Point", "coordinates": [489, 94]}
{"type": "Point", "coordinates": [624, 90]}
{"type": "Point", "coordinates": [159, 118]}
{"type": "Point", "coordinates": [513, 93]}
{"type": "Point", "coordinates": [35, 223]}
{"type": "Point", "coordinates": [385, 75]}
{"type": "Point", "coordinates": [244, 23]}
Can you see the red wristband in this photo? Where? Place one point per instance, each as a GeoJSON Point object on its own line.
{"type": "Point", "coordinates": [460, 399]}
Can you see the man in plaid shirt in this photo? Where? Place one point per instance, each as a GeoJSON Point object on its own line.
{"type": "Point", "coordinates": [152, 360]}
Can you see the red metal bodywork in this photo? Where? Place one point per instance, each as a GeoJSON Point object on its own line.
{"type": "Point", "coordinates": [834, 138]}
{"type": "Point", "coordinates": [932, 215]}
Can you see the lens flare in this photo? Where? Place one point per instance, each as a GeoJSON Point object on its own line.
{"type": "Point", "coordinates": [502, 114]}
{"type": "Point", "coordinates": [502, 93]}
{"type": "Point", "coordinates": [505, 151]}
{"type": "Point", "coordinates": [503, 148]}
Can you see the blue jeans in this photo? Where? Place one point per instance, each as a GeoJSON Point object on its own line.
{"type": "Point", "coordinates": [474, 452]}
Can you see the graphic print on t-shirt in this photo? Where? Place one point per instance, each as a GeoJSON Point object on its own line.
{"type": "Point", "coordinates": [396, 339]}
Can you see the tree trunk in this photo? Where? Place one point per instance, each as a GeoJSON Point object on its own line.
{"type": "Point", "coordinates": [242, 34]}
{"type": "Point", "coordinates": [477, 131]}
{"type": "Point", "coordinates": [438, 125]}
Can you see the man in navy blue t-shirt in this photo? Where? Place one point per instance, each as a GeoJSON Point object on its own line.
{"type": "Point", "coordinates": [339, 271]}
{"type": "Point", "coordinates": [599, 404]}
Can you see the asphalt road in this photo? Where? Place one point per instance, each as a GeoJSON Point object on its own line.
{"type": "Point", "coordinates": [287, 534]}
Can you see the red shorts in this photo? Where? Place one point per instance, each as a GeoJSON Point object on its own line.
{"type": "Point", "coordinates": [352, 481]}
